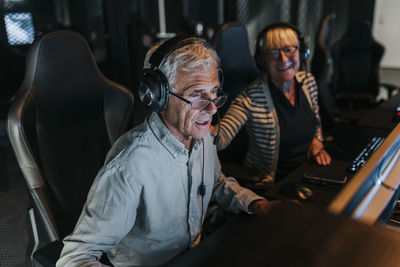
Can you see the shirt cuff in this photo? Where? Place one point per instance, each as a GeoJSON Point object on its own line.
{"type": "Point", "coordinates": [254, 199]}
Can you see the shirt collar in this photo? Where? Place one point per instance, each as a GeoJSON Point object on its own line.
{"type": "Point", "coordinates": [167, 139]}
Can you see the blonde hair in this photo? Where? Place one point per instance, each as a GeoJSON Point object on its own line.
{"type": "Point", "coordinates": [281, 37]}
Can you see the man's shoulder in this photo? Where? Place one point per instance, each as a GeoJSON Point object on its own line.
{"type": "Point", "coordinates": [132, 143]}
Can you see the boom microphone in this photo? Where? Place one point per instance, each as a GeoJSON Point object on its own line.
{"type": "Point", "coordinates": [216, 138]}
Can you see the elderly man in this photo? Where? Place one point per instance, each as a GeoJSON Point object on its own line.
{"type": "Point", "coordinates": [148, 202]}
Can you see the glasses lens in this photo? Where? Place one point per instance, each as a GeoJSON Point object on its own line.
{"type": "Point", "coordinates": [203, 103]}
{"type": "Point", "coordinates": [220, 100]}
{"type": "Point", "coordinates": [200, 104]}
{"type": "Point", "coordinates": [275, 53]}
{"type": "Point", "coordinates": [289, 50]}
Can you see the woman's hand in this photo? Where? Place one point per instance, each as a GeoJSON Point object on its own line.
{"type": "Point", "coordinates": [318, 152]}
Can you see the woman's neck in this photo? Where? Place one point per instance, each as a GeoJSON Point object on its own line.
{"type": "Point", "coordinates": [288, 89]}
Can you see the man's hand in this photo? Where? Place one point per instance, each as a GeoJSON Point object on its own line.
{"type": "Point", "coordinates": [318, 152]}
{"type": "Point", "coordinates": [261, 206]}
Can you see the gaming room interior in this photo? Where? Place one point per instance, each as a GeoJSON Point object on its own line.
{"type": "Point", "coordinates": [64, 103]}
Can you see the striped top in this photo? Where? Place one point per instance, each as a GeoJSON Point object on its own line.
{"type": "Point", "coordinates": [254, 109]}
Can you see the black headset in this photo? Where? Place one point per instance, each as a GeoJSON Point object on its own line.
{"type": "Point", "coordinates": [154, 87]}
{"type": "Point", "coordinates": [304, 50]}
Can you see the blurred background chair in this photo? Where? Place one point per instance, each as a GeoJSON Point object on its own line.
{"type": "Point", "coordinates": [231, 42]}
{"type": "Point", "coordinates": [65, 117]}
{"type": "Point", "coordinates": [356, 60]}
{"type": "Point", "coordinates": [321, 66]}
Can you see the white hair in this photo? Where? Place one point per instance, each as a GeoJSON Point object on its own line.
{"type": "Point", "coordinates": [195, 56]}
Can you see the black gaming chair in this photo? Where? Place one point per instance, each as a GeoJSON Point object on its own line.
{"type": "Point", "coordinates": [356, 68]}
{"type": "Point", "coordinates": [232, 45]}
{"type": "Point", "coordinates": [65, 117]}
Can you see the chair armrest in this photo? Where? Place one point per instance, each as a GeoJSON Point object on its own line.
{"type": "Point", "coordinates": [49, 254]}
{"type": "Point", "coordinates": [390, 88]}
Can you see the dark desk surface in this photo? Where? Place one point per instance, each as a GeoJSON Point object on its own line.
{"type": "Point", "coordinates": [347, 143]}
{"type": "Point", "coordinates": [295, 236]}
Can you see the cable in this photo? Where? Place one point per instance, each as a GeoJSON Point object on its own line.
{"type": "Point", "coordinates": [202, 192]}
{"type": "Point", "coordinates": [216, 138]}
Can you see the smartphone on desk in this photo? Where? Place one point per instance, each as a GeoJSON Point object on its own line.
{"type": "Point", "coordinates": [333, 174]}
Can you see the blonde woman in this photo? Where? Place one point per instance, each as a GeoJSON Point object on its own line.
{"type": "Point", "coordinates": [279, 110]}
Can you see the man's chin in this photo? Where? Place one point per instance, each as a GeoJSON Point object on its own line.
{"type": "Point", "coordinates": [200, 134]}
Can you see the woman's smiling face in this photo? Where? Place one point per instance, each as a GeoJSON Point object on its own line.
{"type": "Point", "coordinates": [281, 54]}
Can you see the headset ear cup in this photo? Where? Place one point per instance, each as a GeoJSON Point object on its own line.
{"type": "Point", "coordinates": [258, 59]}
{"type": "Point", "coordinates": [164, 91]}
{"type": "Point", "coordinates": [304, 52]}
{"type": "Point", "coordinates": [154, 90]}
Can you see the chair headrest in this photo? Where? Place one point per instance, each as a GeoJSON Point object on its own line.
{"type": "Point", "coordinates": [232, 45]}
{"type": "Point", "coordinates": [59, 58]}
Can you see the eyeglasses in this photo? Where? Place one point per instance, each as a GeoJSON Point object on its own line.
{"type": "Point", "coordinates": [288, 51]}
{"type": "Point", "coordinates": [200, 104]}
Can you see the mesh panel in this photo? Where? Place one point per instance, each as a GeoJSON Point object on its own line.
{"type": "Point", "coordinates": [242, 12]}
{"type": "Point", "coordinates": [285, 10]}
{"type": "Point", "coordinates": [19, 28]}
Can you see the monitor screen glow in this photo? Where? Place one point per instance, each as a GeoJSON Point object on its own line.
{"type": "Point", "coordinates": [19, 28]}
{"type": "Point", "coordinates": [372, 193]}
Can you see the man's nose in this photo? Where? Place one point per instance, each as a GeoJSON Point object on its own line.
{"type": "Point", "coordinates": [211, 107]}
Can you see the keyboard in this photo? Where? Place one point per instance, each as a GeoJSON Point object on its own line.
{"type": "Point", "coordinates": [365, 153]}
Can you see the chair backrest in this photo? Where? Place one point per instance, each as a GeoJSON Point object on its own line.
{"type": "Point", "coordinates": [231, 42]}
{"type": "Point", "coordinates": [232, 45]}
{"type": "Point", "coordinates": [321, 58]}
{"type": "Point", "coordinates": [321, 65]}
{"type": "Point", "coordinates": [65, 117]}
{"type": "Point", "coordinates": [356, 64]}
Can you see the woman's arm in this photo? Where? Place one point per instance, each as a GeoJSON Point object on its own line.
{"type": "Point", "coordinates": [234, 119]}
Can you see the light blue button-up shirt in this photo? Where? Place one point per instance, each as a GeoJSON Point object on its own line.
{"type": "Point", "coordinates": [144, 206]}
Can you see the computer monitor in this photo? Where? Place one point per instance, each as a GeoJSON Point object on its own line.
{"type": "Point", "coordinates": [19, 28]}
{"type": "Point", "coordinates": [371, 195]}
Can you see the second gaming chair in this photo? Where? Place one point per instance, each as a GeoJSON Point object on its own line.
{"type": "Point", "coordinates": [321, 66]}
{"type": "Point", "coordinates": [232, 45]}
{"type": "Point", "coordinates": [357, 59]}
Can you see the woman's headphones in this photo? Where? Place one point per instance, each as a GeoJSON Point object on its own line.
{"type": "Point", "coordinates": [154, 87]}
{"type": "Point", "coordinates": [304, 50]}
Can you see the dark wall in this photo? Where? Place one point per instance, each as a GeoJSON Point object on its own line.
{"type": "Point", "coordinates": [121, 31]}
